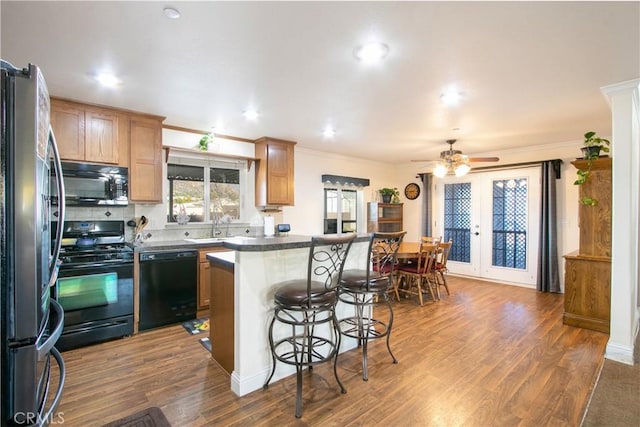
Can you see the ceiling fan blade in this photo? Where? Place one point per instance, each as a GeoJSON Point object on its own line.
{"type": "Point", "coordinates": [484, 159]}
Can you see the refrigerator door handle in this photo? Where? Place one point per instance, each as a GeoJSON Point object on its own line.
{"type": "Point", "coordinates": [46, 346]}
{"type": "Point", "coordinates": [53, 268]}
{"type": "Point", "coordinates": [46, 418]}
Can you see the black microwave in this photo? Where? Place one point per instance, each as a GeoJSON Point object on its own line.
{"type": "Point", "coordinates": [93, 185]}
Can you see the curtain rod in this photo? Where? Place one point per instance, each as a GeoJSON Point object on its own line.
{"type": "Point", "coordinates": [514, 165]}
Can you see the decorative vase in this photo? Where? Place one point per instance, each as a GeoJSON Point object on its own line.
{"type": "Point", "coordinates": [386, 198]}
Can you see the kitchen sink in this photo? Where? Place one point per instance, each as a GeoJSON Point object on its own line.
{"type": "Point", "coordinates": [219, 239]}
{"type": "Point", "coordinates": [206, 240]}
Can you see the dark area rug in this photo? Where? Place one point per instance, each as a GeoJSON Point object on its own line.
{"type": "Point", "coordinates": [150, 417]}
{"type": "Point", "coordinates": [196, 326]}
{"type": "Point", "coordinates": [616, 398]}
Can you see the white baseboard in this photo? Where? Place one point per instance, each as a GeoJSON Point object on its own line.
{"type": "Point", "coordinates": [619, 353]}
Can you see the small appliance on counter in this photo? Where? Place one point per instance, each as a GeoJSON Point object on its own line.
{"type": "Point", "coordinates": [283, 229]}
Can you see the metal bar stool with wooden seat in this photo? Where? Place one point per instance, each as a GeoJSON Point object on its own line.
{"type": "Point", "coordinates": [420, 274]}
{"type": "Point", "coordinates": [308, 307]}
{"type": "Point", "coordinates": [367, 289]}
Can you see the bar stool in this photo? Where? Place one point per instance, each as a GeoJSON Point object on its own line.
{"type": "Point", "coordinates": [367, 289]}
{"type": "Point", "coordinates": [307, 306]}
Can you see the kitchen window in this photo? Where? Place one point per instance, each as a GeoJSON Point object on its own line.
{"type": "Point", "coordinates": [203, 200]}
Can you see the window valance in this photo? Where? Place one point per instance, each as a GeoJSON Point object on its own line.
{"type": "Point", "coordinates": [345, 180]}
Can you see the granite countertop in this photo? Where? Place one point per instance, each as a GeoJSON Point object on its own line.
{"type": "Point", "coordinates": [238, 243]}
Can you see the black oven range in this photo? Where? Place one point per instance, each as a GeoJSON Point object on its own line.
{"type": "Point", "coordinates": [95, 283]}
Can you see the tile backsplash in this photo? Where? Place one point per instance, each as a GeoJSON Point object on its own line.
{"type": "Point", "coordinates": [162, 232]}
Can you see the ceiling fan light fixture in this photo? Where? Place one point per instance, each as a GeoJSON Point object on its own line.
{"type": "Point", "coordinates": [462, 169]}
{"type": "Point", "coordinates": [440, 170]}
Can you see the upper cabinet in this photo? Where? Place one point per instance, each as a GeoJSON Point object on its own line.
{"type": "Point", "coordinates": [94, 134]}
{"type": "Point", "coordinates": [85, 133]}
{"type": "Point", "coordinates": [145, 175]}
{"type": "Point", "coordinates": [274, 172]}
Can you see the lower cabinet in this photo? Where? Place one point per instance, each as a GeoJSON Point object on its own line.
{"type": "Point", "coordinates": [221, 320]}
{"type": "Point", "coordinates": [587, 293]}
{"type": "Point", "coordinates": [203, 279]}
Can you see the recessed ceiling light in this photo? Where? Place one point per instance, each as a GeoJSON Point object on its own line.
{"type": "Point", "coordinates": [171, 12]}
{"type": "Point", "coordinates": [329, 132]}
{"type": "Point", "coordinates": [371, 52]}
{"type": "Point", "coordinates": [107, 79]}
{"type": "Point", "coordinates": [251, 114]}
{"type": "Point", "coordinates": [451, 96]}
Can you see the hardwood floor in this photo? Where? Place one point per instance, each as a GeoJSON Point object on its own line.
{"type": "Point", "coordinates": [486, 355]}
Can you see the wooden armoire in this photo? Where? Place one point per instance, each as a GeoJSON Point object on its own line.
{"type": "Point", "coordinates": [587, 298]}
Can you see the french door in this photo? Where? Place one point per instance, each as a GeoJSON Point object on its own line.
{"type": "Point", "coordinates": [492, 219]}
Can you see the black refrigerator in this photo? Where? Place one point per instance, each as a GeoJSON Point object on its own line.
{"type": "Point", "coordinates": [31, 320]}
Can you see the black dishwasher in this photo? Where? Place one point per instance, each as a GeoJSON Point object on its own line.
{"type": "Point", "coordinates": [168, 287]}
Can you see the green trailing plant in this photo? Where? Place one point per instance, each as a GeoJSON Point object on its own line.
{"type": "Point", "coordinates": [205, 140]}
{"type": "Point", "coordinates": [592, 140]}
{"type": "Point", "coordinates": [592, 146]}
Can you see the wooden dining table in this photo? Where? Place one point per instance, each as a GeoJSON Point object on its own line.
{"type": "Point", "coordinates": [408, 250]}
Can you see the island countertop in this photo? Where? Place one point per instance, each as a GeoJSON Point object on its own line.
{"type": "Point", "coordinates": [237, 243]}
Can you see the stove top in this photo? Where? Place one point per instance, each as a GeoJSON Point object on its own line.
{"type": "Point", "coordinates": [102, 242]}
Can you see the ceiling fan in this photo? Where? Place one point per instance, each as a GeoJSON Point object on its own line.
{"type": "Point", "coordinates": [453, 162]}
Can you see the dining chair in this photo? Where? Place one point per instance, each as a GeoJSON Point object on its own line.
{"type": "Point", "coordinates": [367, 290]}
{"type": "Point", "coordinates": [440, 266]}
{"type": "Point", "coordinates": [307, 307]}
{"type": "Point", "coordinates": [420, 276]}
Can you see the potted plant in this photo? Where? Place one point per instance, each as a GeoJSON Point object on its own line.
{"type": "Point", "coordinates": [593, 145]}
{"type": "Point", "coordinates": [389, 193]}
{"type": "Point", "coordinates": [591, 150]}
{"type": "Point", "coordinates": [205, 140]}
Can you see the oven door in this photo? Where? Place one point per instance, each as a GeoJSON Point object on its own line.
{"type": "Point", "coordinates": [97, 301]}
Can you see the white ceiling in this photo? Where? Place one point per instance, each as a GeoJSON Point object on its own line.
{"type": "Point", "coordinates": [530, 72]}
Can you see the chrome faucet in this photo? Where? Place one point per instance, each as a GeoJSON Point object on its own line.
{"type": "Point", "coordinates": [215, 229]}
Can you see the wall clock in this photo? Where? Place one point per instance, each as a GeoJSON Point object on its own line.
{"type": "Point", "coordinates": [412, 191]}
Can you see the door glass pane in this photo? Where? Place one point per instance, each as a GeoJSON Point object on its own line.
{"type": "Point", "coordinates": [88, 291]}
{"type": "Point", "coordinates": [510, 220]}
{"type": "Point", "coordinates": [457, 220]}
{"type": "Point", "coordinates": [348, 208]}
{"type": "Point", "coordinates": [330, 211]}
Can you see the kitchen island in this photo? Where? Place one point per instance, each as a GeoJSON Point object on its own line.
{"type": "Point", "coordinates": [259, 264]}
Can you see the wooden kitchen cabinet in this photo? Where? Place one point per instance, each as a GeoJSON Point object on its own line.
{"type": "Point", "coordinates": [85, 133]}
{"type": "Point", "coordinates": [274, 172]}
{"type": "Point", "coordinates": [145, 171]}
{"type": "Point", "coordinates": [203, 278]}
{"type": "Point", "coordinates": [587, 282]}
{"type": "Point", "coordinates": [384, 217]}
